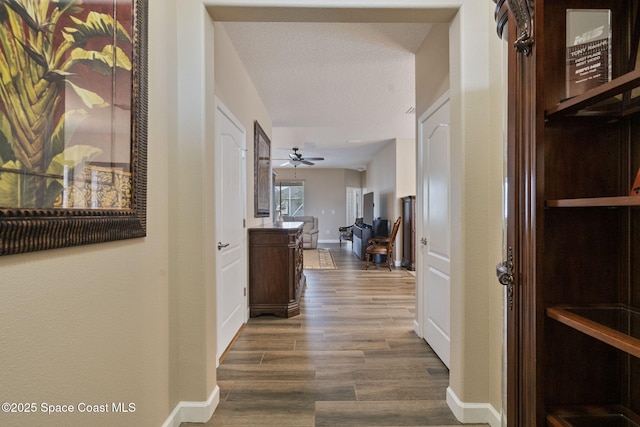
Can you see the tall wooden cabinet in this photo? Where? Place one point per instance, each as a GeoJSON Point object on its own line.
{"type": "Point", "coordinates": [276, 278]}
{"type": "Point", "coordinates": [409, 232]}
{"type": "Point", "coordinates": [572, 265]}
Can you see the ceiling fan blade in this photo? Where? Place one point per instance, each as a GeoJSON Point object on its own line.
{"type": "Point", "coordinates": [314, 158]}
{"type": "Point", "coordinates": [285, 164]}
{"type": "Point", "coordinates": [306, 162]}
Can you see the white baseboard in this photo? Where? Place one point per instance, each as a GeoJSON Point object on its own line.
{"type": "Point", "coordinates": [472, 413]}
{"type": "Point", "coordinates": [194, 412]}
{"type": "Point", "coordinates": [329, 241]}
{"type": "Point", "coordinates": [416, 328]}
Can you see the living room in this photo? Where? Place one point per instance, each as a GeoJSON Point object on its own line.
{"type": "Point", "coordinates": [325, 189]}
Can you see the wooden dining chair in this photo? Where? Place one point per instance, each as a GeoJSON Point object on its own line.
{"type": "Point", "coordinates": [382, 246]}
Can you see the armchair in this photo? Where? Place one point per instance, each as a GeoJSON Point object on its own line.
{"type": "Point", "coordinates": [382, 246]}
{"type": "Point", "coordinates": [346, 233]}
{"type": "Point", "coordinates": [310, 229]}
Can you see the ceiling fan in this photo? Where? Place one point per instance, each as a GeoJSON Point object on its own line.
{"type": "Point", "coordinates": [295, 159]}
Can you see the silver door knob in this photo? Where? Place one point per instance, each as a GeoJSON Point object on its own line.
{"type": "Point", "coordinates": [222, 245]}
{"type": "Point", "coordinates": [504, 270]}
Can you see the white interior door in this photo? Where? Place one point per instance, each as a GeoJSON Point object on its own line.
{"type": "Point", "coordinates": [230, 231]}
{"type": "Point", "coordinates": [436, 239]}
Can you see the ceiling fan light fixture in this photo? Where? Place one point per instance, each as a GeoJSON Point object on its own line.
{"type": "Point", "coordinates": [295, 159]}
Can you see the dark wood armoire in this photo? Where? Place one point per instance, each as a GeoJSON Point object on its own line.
{"type": "Point", "coordinates": [409, 232]}
{"type": "Point", "coordinates": [572, 259]}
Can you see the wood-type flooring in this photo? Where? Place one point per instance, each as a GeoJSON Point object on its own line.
{"type": "Point", "coordinates": [351, 358]}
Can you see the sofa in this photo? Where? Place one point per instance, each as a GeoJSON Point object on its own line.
{"type": "Point", "coordinates": [309, 229]}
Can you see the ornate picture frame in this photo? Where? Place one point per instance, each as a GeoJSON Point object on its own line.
{"type": "Point", "coordinates": [262, 172]}
{"type": "Point", "coordinates": [73, 123]}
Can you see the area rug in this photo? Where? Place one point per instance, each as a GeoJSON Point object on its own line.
{"type": "Point", "coordinates": [318, 259]}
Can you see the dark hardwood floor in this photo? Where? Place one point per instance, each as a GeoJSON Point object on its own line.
{"type": "Point", "coordinates": [350, 358]}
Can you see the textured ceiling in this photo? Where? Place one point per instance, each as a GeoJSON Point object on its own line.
{"type": "Point", "coordinates": [335, 90]}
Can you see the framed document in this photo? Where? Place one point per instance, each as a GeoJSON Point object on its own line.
{"type": "Point", "coordinates": [588, 49]}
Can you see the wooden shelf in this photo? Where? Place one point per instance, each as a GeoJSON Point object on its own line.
{"type": "Point", "coordinates": [621, 201]}
{"type": "Point", "coordinates": [605, 100]}
{"type": "Point", "coordinates": [615, 324]}
{"type": "Point", "coordinates": [588, 416]}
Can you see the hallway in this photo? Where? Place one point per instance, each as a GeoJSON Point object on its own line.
{"type": "Point", "coordinates": [350, 358]}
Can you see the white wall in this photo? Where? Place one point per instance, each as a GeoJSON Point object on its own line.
{"type": "Point", "coordinates": [405, 167]}
{"type": "Point", "coordinates": [498, 56]}
{"type": "Point", "coordinates": [234, 88]}
{"type": "Point", "coordinates": [432, 59]}
{"type": "Point", "coordinates": [391, 176]}
{"type": "Point", "coordinates": [324, 196]}
{"type": "Point", "coordinates": [209, 67]}
{"type": "Point", "coordinates": [476, 216]}
{"type": "Point", "coordinates": [381, 179]}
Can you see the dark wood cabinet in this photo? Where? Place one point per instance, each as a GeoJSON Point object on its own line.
{"type": "Point", "coordinates": [571, 267]}
{"type": "Point", "coordinates": [276, 277]}
{"type": "Point", "coordinates": [409, 232]}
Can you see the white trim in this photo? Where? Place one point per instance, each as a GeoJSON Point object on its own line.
{"type": "Point", "coordinates": [472, 413]}
{"type": "Point", "coordinates": [194, 412]}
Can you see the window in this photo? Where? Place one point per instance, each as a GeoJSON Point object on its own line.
{"type": "Point", "coordinates": [290, 198]}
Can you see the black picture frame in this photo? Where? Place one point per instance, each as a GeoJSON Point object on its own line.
{"type": "Point", "coordinates": [262, 172]}
{"type": "Point", "coordinates": [28, 229]}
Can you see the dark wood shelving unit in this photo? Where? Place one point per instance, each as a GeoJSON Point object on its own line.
{"type": "Point", "coordinates": [608, 97]}
{"type": "Point", "coordinates": [575, 326]}
{"type": "Point", "coordinates": [612, 202]}
{"type": "Point", "coordinates": [591, 416]}
{"type": "Point", "coordinates": [612, 324]}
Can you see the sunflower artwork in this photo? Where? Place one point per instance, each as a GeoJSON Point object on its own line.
{"type": "Point", "coordinates": [65, 104]}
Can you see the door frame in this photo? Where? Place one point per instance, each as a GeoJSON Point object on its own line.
{"type": "Point", "coordinates": [221, 107]}
{"type": "Point", "coordinates": [519, 315]}
{"type": "Point", "coordinates": [418, 323]}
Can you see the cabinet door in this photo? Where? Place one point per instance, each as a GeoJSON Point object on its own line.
{"type": "Point", "coordinates": [519, 401]}
{"type": "Point", "coordinates": [570, 272]}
